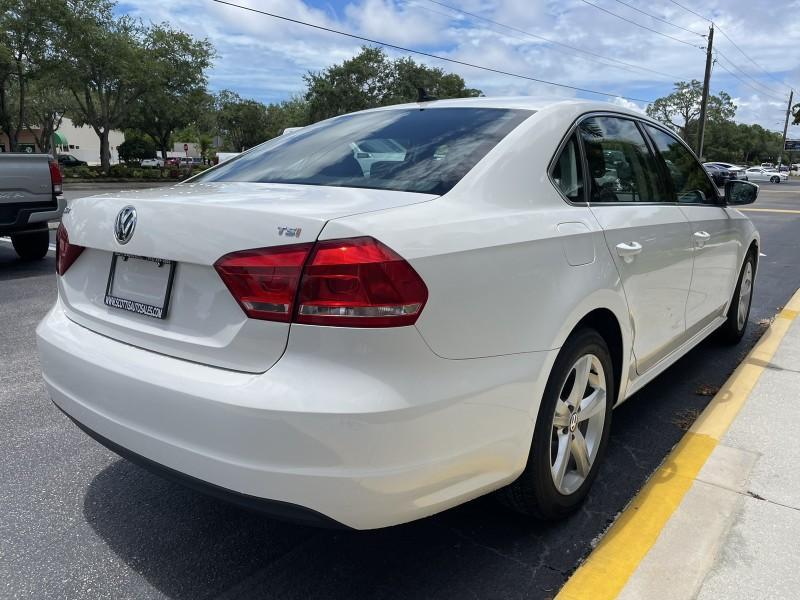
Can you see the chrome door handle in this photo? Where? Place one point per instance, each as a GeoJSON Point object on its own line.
{"type": "Point", "coordinates": [627, 250]}
{"type": "Point", "coordinates": [701, 237]}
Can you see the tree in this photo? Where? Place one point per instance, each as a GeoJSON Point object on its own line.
{"type": "Point", "coordinates": [27, 44]}
{"type": "Point", "coordinates": [371, 79]}
{"type": "Point", "coordinates": [243, 123]}
{"type": "Point", "coordinates": [136, 146]}
{"type": "Point", "coordinates": [44, 111]}
{"type": "Point", "coordinates": [176, 65]}
{"type": "Point", "coordinates": [289, 113]}
{"type": "Point", "coordinates": [680, 108]}
{"type": "Point", "coordinates": [105, 70]}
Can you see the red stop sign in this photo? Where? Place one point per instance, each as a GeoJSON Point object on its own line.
{"type": "Point", "coordinates": [186, 147]}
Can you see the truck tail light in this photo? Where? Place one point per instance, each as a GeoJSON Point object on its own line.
{"type": "Point", "coordinates": [55, 178]}
{"type": "Point", "coordinates": [66, 253]}
{"type": "Point", "coordinates": [355, 282]}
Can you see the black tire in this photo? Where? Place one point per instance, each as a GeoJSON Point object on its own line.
{"type": "Point", "coordinates": [731, 331]}
{"type": "Point", "coordinates": [535, 493]}
{"type": "Point", "coordinates": [31, 246]}
{"type": "Point", "coordinates": [775, 179]}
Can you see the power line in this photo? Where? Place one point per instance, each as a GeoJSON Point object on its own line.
{"type": "Point", "coordinates": [691, 11]}
{"type": "Point", "coordinates": [762, 69]}
{"type": "Point", "coordinates": [748, 76]}
{"type": "Point", "coordinates": [554, 42]}
{"type": "Point", "coordinates": [757, 90]}
{"type": "Point", "coordinates": [639, 10]}
{"type": "Point", "coordinates": [735, 45]}
{"type": "Point", "coordinates": [639, 24]}
{"type": "Point", "coordinates": [428, 54]}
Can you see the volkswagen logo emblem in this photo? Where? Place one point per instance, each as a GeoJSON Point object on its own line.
{"type": "Point", "coordinates": [125, 224]}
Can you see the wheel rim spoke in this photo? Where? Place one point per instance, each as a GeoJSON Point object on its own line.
{"type": "Point", "coordinates": [559, 468]}
{"type": "Point", "coordinates": [582, 369]}
{"type": "Point", "coordinates": [561, 418]}
{"type": "Point", "coordinates": [593, 404]}
{"type": "Point", "coordinates": [580, 452]}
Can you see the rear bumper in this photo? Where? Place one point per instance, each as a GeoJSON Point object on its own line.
{"type": "Point", "coordinates": [366, 435]}
{"type": "Point", "coordinates": [29, 216]}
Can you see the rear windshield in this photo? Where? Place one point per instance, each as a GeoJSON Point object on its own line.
{"type": "Point", "coordinates": [412, 150]}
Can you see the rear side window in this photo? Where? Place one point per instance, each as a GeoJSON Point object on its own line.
{"type": "Point", "coordinates": [689, 180]}
{"type": "Point", "coordinates": [568, 172]}
{"type": "Point", "coordinates": [412, 150]}
{"type": "Point", "coordinates": [621, 166]}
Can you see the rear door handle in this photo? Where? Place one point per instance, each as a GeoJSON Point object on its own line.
{"type": "Point", "coordinates": [701, 237]}
{"type": "Point", "coordinates": [627, 250]}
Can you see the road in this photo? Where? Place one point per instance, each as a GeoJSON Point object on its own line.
{"type": "Point", "coordinates": [79, 522]}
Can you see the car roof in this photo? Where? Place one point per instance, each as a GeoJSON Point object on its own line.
{"type": "Point", "coordinates": [532, 103]}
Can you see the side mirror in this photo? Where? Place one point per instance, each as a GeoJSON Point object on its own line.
{"type": "Point", "coordinates": [738, 192]}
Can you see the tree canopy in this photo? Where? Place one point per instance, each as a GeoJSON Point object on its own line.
{"type": "Point", "coordinates": [725, 140]}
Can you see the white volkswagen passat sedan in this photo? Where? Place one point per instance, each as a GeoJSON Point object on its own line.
{"type": "Point", "coordinates": [291, 333]}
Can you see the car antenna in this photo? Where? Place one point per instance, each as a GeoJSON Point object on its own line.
{"type": "Point", "coordinates": [423, 96]}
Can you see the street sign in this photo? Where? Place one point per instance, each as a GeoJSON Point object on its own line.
{"type": "Point", "coordinates": [186, 147]}
{"type": "Point", "coordinates": [791, 145]}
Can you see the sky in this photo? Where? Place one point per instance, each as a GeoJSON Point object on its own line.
{"type": "Point", "coordinates": [265, 58]}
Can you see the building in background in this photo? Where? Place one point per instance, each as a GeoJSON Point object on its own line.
{"type": "Point", "coordinates": [80, 142]}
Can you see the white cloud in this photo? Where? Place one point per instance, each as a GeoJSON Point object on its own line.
{"type": "Point", "coordinates": [266, 58]}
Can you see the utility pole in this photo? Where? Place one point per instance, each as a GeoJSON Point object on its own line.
{"type": "Point", "coordinates": [704, 102]}
{"type": "Point", "coordinates": [785, 129]}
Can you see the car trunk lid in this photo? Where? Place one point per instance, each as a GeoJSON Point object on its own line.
{"type": "Point", "coordinates": [193, 225]}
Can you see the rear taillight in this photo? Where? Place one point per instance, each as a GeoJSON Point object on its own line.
{"type": "Point", "coordinates": [357, 282]}
{"type": "Point", "coordinates": [66, 253]}
{"type": "Point", "coordinates": [264, 282]}
{"type": "Point", "coordinates": [55, 177]}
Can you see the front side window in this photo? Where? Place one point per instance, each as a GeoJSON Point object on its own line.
{"type": "Point", "coordinates": [689, 180]}
{"type": "Point", "coordinates": [412, 150]}
{"type": "Point", "coordinates": [621, 166]}
{"type": "Point", "coordinates": [568, 172]}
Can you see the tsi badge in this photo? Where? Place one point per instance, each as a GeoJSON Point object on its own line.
{"type": "Point", "coordinates": [125, 224]}
{"type": "Point", "coordinates": [290, 231]}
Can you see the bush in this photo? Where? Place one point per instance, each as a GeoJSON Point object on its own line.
{"type": "Point", "coordinates": [119, 171]}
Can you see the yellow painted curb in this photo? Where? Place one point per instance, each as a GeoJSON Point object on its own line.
{"type": "Point", "coordinates": [605, 572]}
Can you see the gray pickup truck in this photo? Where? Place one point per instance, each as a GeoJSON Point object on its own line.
{"type": "Point", "coordinates": [30, 196]}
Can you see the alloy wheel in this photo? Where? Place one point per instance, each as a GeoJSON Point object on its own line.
{"type": "Point", "coordinates": [578, 423]}
{"type": "Point", "coordinates": [745, 294]}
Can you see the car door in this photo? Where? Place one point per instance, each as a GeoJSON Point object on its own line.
{"type": "Point", "coordinates": [715, 238]}
{"type": "Point", "coordinates": [646, 233]}
{"type": "Point", "coordinates": [755, 174]}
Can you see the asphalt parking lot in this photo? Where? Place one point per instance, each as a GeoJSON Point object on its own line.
{"type": "Point", "coordinates": [79, 522]}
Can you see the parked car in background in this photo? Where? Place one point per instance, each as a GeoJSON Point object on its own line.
{"type": "Point", "coordinates": [767, 165]}
{"type": "Point", "coordinates": [67, 160]}
{"type": "Point", "coordinates": [292, 334]}
{"type": "Point", "coordinates": [190, 161]}
{"type": "Point", "coordinates": [172, 161]}
{"type": "Point", "coordinates": [30, 196]}
{"type": "Point", "coordinates": [783, 168]}
{"type": "Point", "coordinates": [153, 162]}
{"type": "Point", "coordinates": [720, 175]}
{"type": "Point", "coordinates": [760, 174]}
{"type": "Point", "coordinates": [739, 171]}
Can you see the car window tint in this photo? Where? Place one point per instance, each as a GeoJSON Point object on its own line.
{"type": "Point", "coordinates": [689, 180]}
{"type": "Point", "coordinates": [568, 172]}
{"type": "Point", "coordinates": [621, 166]}
{"type": "Point", "coordinates": [408, 149]}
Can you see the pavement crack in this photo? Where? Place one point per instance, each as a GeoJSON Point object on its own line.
{"type": "Point", "coordinates": [752, 494]}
